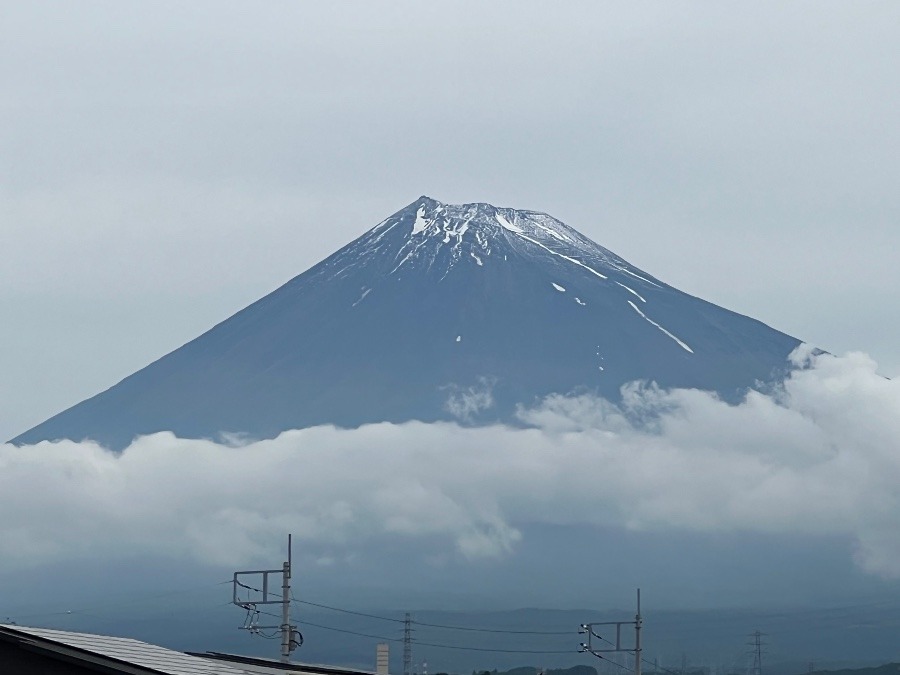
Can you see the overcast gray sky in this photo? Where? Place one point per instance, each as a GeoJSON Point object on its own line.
{"type": "Point", "coordinates": [162, 165]}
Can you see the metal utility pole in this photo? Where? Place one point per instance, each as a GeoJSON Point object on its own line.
{"type": "Point", "coordinates": [407, 644]}
{"type": "Point", "coordinates": [286, 607]}
{"type": "Point", "coordinates": [638, 624]}
{"type": "Point", "coordinates": [290, 637]}
{"type": "Point", "coordinates": [589, 646]}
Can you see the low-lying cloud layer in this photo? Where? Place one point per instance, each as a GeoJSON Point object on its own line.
{"type": "Point", "coordinates": [819, 455]}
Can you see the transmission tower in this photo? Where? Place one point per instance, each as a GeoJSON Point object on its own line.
{"type": "Point", "coordinates": [756, 644]}
{"type": "Point", "coordinates": [407, 645]}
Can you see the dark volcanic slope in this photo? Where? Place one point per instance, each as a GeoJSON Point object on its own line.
{"type": "Point", "coordinates": [436, 296]}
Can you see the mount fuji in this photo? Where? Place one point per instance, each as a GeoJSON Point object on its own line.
{"type": "Point", "coordinates": [438, 312]}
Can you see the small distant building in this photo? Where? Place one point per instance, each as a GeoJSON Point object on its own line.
{"type": "Point", "coordinates": [382, 658]}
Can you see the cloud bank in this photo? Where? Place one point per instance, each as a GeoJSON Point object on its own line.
{"type": "Point", "coordinates": [817, 455]}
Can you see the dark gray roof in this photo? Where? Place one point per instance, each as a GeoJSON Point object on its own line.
{"type": "Point", "coordinates": [152, 658]}
{"type": "Point", "coordinates": [255, 664]}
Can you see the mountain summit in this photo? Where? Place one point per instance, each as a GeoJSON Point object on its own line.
{"type": "Point", "coordinates": [438, 311]}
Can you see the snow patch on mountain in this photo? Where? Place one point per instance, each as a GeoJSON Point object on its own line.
{"type": "Point", "coordinates": [632, 291]}
{"type": "Point", "coordinates": [363, 296]}
{"type": "Point", "coordinates": [507, 225]}
{"type": "Point", "coordinates": [647, 318]}
{"type": "Point", "coordinates": [565, 257]}
{"type": "Point", "coordinates": [421, 223]}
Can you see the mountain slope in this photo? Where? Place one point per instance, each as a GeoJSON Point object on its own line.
{"type": "Point", "coordinates": [435, 299]}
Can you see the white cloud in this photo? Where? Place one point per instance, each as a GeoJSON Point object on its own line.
{"type": "Point", "coordinates": [466, 402]}
{"type": "Point", "coordinates": [819, 456]}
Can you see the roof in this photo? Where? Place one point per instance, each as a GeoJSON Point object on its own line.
{"type": "Point", "coordinates": [127, 654]}
{"type": "Point", "coordinates": [259, 665]}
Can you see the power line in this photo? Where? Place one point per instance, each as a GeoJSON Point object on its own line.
{"type": "Point", "coordinates": [658, 667]}
{"type": "Point", "coordinates": [647, 661]}
{"type": "Point", "coordinates": [502, 651]}
{"type": "Point", "coordinates": [352, 632]}
{"type": "Point", "coordinates": [347, 611]}
{"type": "Point", "coordinates": [494, 630]}
{"type": "Point", "coordinates": [615, 663]}
{"type": "Point", "coordinates": [434, 625]}
{"type": "Point", "coordinates": [430, 644]}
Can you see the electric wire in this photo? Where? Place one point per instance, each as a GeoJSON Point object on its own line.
{"type": "Point", "coordinates": [472, 629]}
{"type": "Point", "coordinates": [615, 663]}
{"type": "Point", "coordinates": [429, 644]}
{"type": "Point", "coordinates": [643, 660]}
{"type": "Point", "coordinates": [433, 625]}
{"type": "Point", "coordinates": [438, 645]}
{"type": "Point", "coordinates": [665, 670]}
{"type": "Point", "coordinates": [346, 611]}
{"type": "Point", "coordinates": [491, 649]}
{"type": "Point", "coordinates": [494, 630]}
{"type": "Point", "coordinates": [352, 632]}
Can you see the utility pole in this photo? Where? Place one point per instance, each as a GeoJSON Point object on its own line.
{"type": "Point", "coordinates": [286, 607]}
{"type": "Point", "coordinates": [407, 644]}
{"type": "Point", "coordinates": [591, 648]}
{"type": "Point", "coordinates": [638, 624]}
{"type": "Point", "coordinates": [260, 585]}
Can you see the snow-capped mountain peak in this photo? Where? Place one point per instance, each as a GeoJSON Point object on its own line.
{"type": "Point", "coordinates": [432, 303]}
{"type": "Point", "coordinates": [429, 234]}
